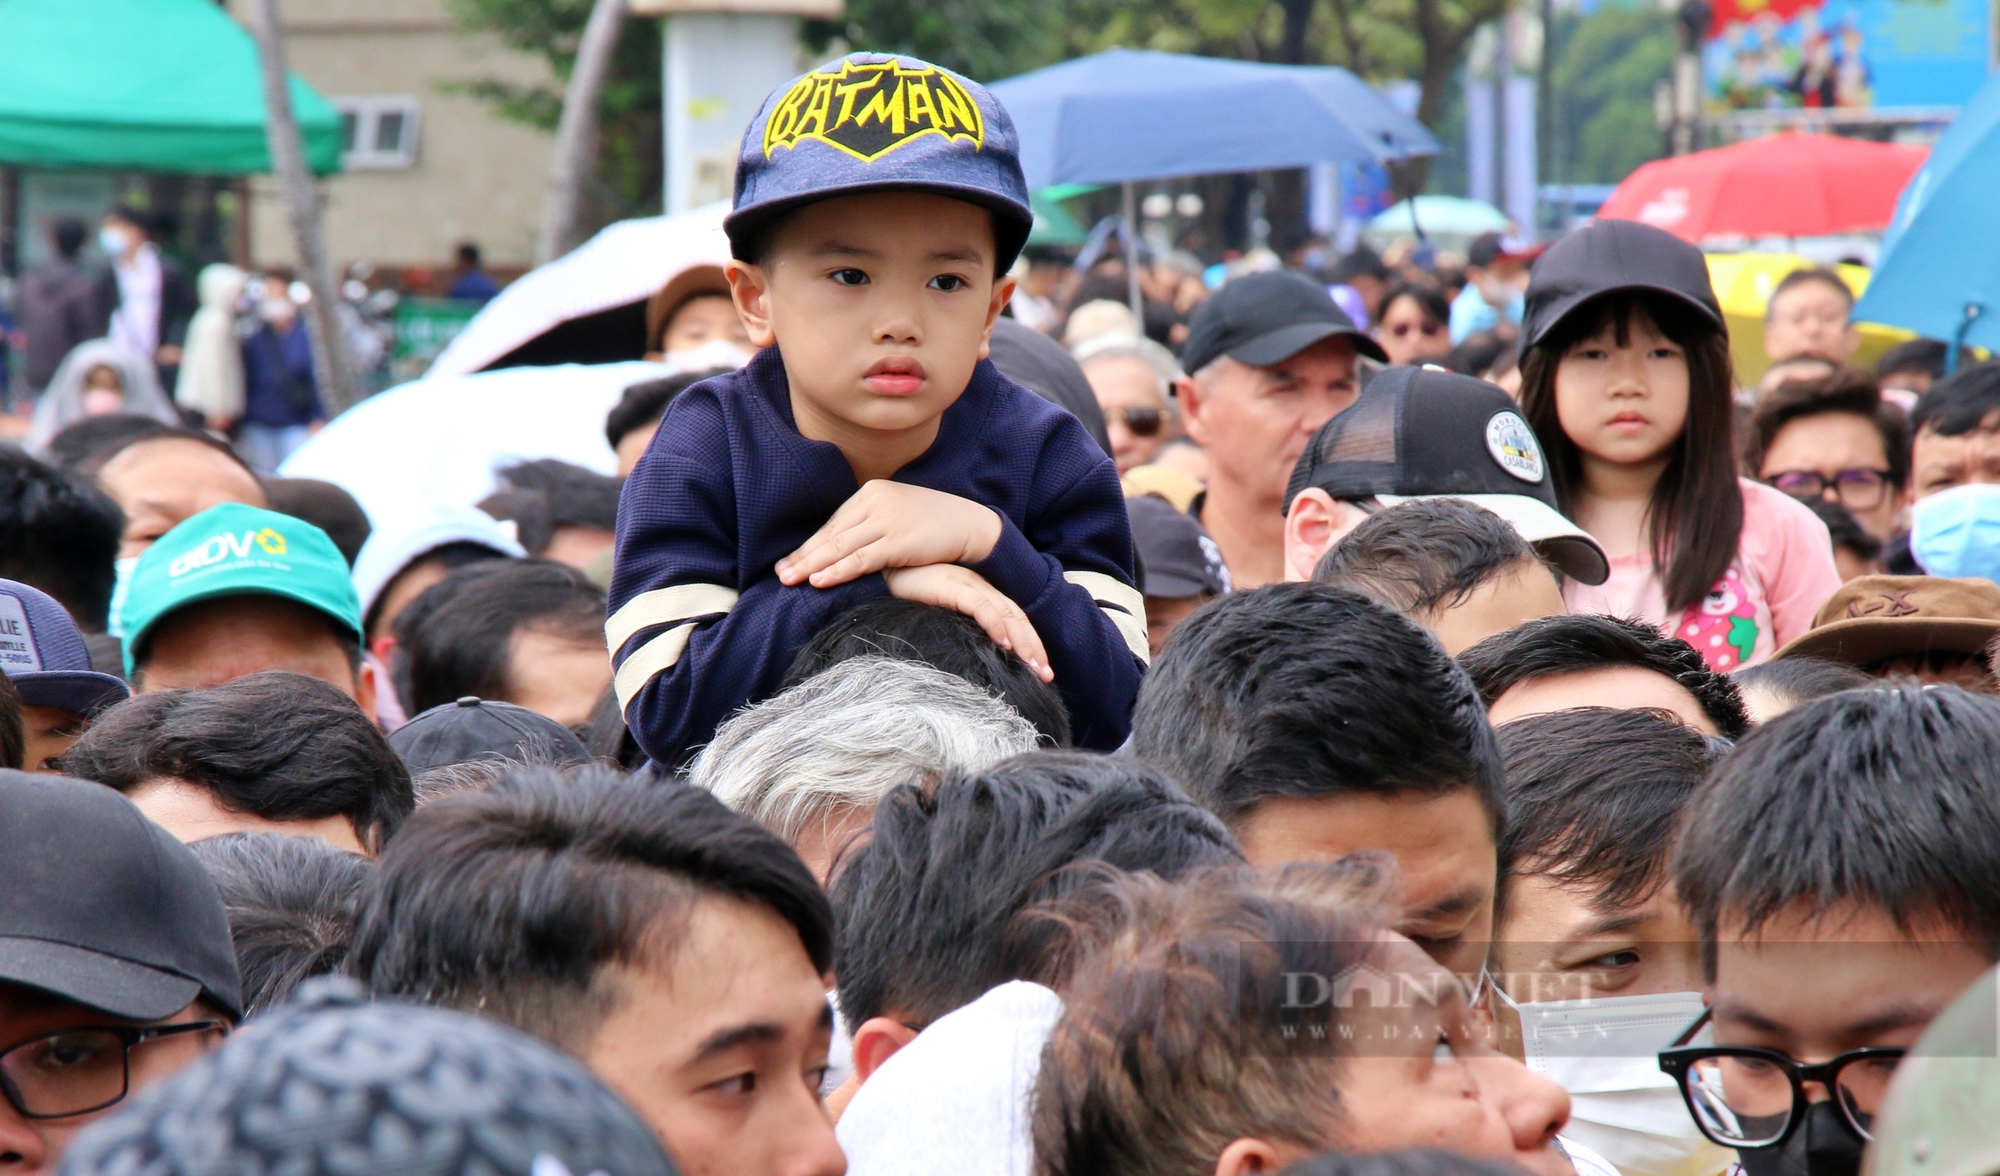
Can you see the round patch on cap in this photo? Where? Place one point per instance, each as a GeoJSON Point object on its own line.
{"type": "Point", "coordinates": [1512, 444]}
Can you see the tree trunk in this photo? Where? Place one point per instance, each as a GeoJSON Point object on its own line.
{"type": "Point", "coordinates": [1292, 44]}
{"type": "Point", "coordinates": [333, 366]}
{"type": "Point", "coordinates": [576, 133]}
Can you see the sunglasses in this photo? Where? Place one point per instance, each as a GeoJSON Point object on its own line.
{"type": "Point", "coordinates": [1143, 422]}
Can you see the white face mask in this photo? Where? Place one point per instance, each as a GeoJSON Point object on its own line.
{"type": "Point", "coordinates": [716, 353]}
{"type": "Point", "coordinates": [1605, 1052]}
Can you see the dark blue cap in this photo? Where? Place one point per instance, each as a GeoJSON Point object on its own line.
{"type": "Point", "coordinates": [878, 121]}
{"type": "Point", "coordinates": [43, 654]}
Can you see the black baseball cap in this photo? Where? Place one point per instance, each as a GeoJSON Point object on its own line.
{"type": "Point", "coordinates": [1262, 319]}
{"type": "Point", "coordinates": [1488, 248]}
{"type": "Point", "coordinates": [103, 907]}
{"type": "Point", "coordinates": [1177, 559]}
{"type": "Point", "coordinates": [1423, 432]}
{"type": "Point", "coordinates": [475, 729]}
{"type": "Point", "coordinates": [1608, 256]}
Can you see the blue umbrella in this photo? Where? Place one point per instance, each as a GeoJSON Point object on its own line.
{"type": "Point", "coordinates": [1126, 115]}
{"type": "Point", "coordinates": [1939, 270]}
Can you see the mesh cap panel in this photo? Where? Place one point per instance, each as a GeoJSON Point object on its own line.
{"type": "Point", "coordinates": [1354, 455]}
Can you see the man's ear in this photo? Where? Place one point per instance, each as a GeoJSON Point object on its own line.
{"type": "Point", "coordinates": [365, 687]}
{"type": "Point", "coordinates": [1192, 402]}
{"type": "Point", "coordinates": [750, 290]}
{"type": "Point", "coordinates": [1003, 293]}
{"type": "Point", "coordinates": [1248, 1157]}
{"type": "Point", "coordinates": [1312, 526]}
{"type": "Point", "coordinates": [876, 1041]}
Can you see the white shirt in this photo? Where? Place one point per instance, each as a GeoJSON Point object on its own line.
{"type": "Point", "coordinates": [136, 322]}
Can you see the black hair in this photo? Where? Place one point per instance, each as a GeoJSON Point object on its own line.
{"type": "Point", "coordinates": [608, 739]}
{"type": "Point", "coordinates": [1805, 276]}
{"type": "Point", "coordinates": [1551, 646]}
{"type": "Point", "coordinates": [1842, 528]}
{"type": "Point", "coordinates": [1844, 391]}
{"type": "Point", "coordinates": [68, 234]}
{"type": "Point", "coordinates": [937, 637]}
{"type": "Point", "coordinates": [752, 243]}
{"type": "Point", "coordinates": [1798, 680]}
{"type": "Point", "coordinates": [146, 222]}
{"type": "Point", "coordinates": [59, 532]}
{"type": "Point", "coordinates": [74, 446]}
{"type": "Point", "coordinates": [1428, 298]}
{"type": "Point", "coordinates": [1363, 262]}
{"type": "Point", "coordinates": [291, 902]}
{"type": "Point", "coordinates": [1408, 1162]}
{"type": "Point", "coordinates": [451, 556]}
{"type": "Point", "coordinates": [929, 907]}
{"type": "Point", "coordinates": [1307, 690]}
{"type": "Point", "coordinates": [1886, 798]}
{"type": "Point", "coordinates": [1959, 403]}
{"type": "Point", "coordinates": [645, 402]}
{"type": "Point", "coordinates": [468, 253]}
{"type": "Point", "coordinates": [512, 902]}
{"type": "Point", "coordinates": [1477, 354]}
{"type": "Point", "coordinates": [1594, 796]}
{"type": "Point", "coordinates": [13, 730]}
{"type": "Point", "coordinates": [325, 506]}
{"type": "Point", "coordinates": [276, 745]}
{"type": "Point", "coordinates": [1916, 355]}
{"type": "Point", "coordinates": [1424, 555]}
{"type": "Point", "coordinates": [456, 637]}
{"type": "Point", "coordinates": [1695, 518]}
{"type": "Point", "coordinates": [528, 510]}
{"type": "Point", "coordinates": [577, 497]}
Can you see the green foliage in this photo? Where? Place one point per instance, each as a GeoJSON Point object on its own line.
{"type": "Point", "coordinates": [627, 179]}
{"type": "Point", "coordinates": [1603, 73]}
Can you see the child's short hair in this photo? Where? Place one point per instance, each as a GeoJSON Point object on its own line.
{"type": "Point", "coordinates": [1886, 798]}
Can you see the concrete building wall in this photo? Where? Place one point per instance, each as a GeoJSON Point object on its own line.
{"type": "Point", "coordinates": [474, 176]}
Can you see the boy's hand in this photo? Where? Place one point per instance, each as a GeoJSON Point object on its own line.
{"type": "Point", "coordinates": [960, 590]}
{"type": "Point", "coordinates": [892, 525]}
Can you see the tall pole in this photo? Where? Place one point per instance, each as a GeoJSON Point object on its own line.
{"type": "Point", "coordinates": [1692, 18]}
{"type": "Point", "coordinates": [333, 367]}
{"type": "Point", "coordinates": [576, 131]}
{"type": "Point", "coordinates": [1129, 201]}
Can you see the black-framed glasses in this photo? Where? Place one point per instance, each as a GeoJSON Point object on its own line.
{"type": "Point", "coordinates": [1743, 1097]}
{"type": "Point", "coordinates": [77, 1071]}
{"type": "Point", "coordinates": [1144, 422]}
{"type": "Point", "coordinates": [1856, 489]}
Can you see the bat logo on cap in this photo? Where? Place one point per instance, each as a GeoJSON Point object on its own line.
{"type": "Point", "coordinates": [869, 110]}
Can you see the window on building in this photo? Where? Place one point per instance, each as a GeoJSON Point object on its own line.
{"type": "Point", "coordinates": [377, 131]}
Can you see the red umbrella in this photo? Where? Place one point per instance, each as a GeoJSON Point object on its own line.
{"type": "Point", "coordinates": [1784, 185]}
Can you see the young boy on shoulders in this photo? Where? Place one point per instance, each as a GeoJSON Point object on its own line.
{"type": "Point", "coordinates": [870, 447]}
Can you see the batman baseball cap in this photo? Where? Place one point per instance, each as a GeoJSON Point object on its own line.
{"type": "Point", "coordinates": [103, 907]}
{"type": "Point", "coordinates": [1266, 318]}
{"type": "Point", "coordinates": [238, 550]}
{"type": "Point", "coordinates": [880, 122]}
{"type": "Point", "coordinates": [43, 654]}
{"type": "Point", "coordinates": [1609, 256]}
{"type": "Point", "coordinates": [1423, 432]}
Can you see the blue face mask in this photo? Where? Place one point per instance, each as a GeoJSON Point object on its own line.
{"type": "Point", "coordinates": [115, 624]}
{"type": "Point", "coordinates": [111, 241]}
{"type": "Point", "coordinates": [1956, 532]}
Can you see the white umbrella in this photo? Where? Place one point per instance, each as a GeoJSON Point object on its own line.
{"type": "Point", "coordinates": [623, 264]}
{"type": "Point", "coordinates": [439, 440]}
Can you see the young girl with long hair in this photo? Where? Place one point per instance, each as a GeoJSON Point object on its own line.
{"type": "Point", "coordinates": [1626, 378]}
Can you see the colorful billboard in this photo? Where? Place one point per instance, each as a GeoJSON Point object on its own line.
{"type": "Point", "coordinates": [1848, 54]}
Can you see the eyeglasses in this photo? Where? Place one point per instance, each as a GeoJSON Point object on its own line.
{"type": "Point", "coordinates": [1860, 489]}
{"type": "Point", "coordinates": [77, 1071]}
{"type": "Point", "coordinates": [1143, 422]}
{"type": "Point", "coordinates": [1742, 1097]}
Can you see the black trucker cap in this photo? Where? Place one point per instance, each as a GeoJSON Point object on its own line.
{"type": "Point", "coordinates": [1262, 319]}
{"type": "Point", "coordinates": [475, 729]}
{"type": "Point", "coordinates": [1423, 432]}
{"type": "Point", "coordinates": [1608, 256]}
{"type": "Point", "coordinates": [103, 907]}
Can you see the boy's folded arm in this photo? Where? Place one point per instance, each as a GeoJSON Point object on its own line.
{"type": "Point", "coordinates": [1077, 591]}
{"type": "Point", "coordinates": [689, 654]}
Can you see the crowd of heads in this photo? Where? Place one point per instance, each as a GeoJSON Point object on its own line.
{"type": "Point", "coordinates": [1539, 753]}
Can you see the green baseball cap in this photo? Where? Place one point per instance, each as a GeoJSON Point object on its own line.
{"type": "Point", "coordinates": [237, 550]}
{"type": "Point", "coordinates": [1942, 1113]}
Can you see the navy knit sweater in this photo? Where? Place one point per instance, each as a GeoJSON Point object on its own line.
{"type": "Point", "coordinates": [701, 625]}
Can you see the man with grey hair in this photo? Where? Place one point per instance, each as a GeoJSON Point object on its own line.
{"type": "Point", "coordinates": [1272, 359]}
{"type": "Point", "coordinates": [1133, 378]}
{"type": "Point", "coordinates": [810, 763]}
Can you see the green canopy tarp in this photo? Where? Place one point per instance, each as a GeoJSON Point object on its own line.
{"type": "Point", "coordinates": [150, 85]}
